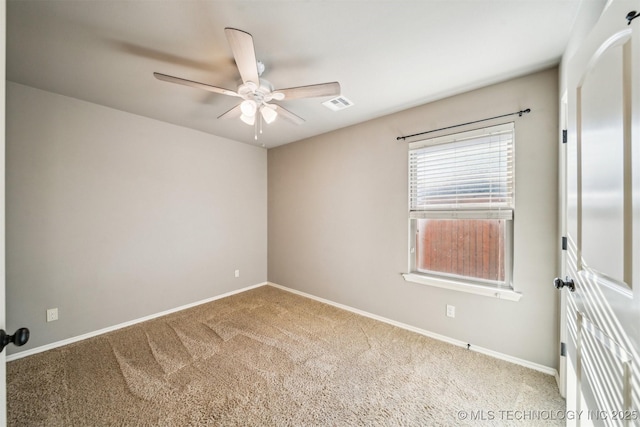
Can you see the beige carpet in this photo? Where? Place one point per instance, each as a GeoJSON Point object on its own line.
{"type": "Point", "coordinates": [269, 357]}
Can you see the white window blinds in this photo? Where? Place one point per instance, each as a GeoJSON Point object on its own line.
{"type": "Point", "coordinates": [467, 172]}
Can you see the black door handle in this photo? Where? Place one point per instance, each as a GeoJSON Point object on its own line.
{"type": "Point", "coordinates": [19, 338]}
{"type": "Point", "coordinates": [559, 284]}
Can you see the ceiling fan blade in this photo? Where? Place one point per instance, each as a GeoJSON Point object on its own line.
{"type": "Point", "coordinates": [244, 53]}
{"type": "Point", "coordinates": [311, 91]}
{"type": "Point", "coordinates": [233, 113]}
{"type": "Point", "coordinates": [287, 115]}
{"type": "Point", "coordinates": [214, 89]}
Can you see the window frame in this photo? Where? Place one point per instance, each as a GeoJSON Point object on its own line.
{"type": "Point", "coordinates": [502, 290]}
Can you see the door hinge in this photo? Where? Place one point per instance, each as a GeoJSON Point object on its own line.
{"type": "Point", "coordinates": [564, 136]}
{"type": "Point", "coordinates": [564, 243]}
{"type": "Point", "coordinates": [563, 349]}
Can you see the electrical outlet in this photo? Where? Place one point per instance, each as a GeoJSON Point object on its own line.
{"type": "Point", "coordinates": [237, 273]}
{"type": "Point", "coordinates": [52, 314]}
{"type": "Point", "coordinates": [451, 311]}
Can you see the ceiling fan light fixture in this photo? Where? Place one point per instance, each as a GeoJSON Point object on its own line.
{"type": "Point", "coordinates": [248, 107]}
{"type": "Point", "coordinates": [250, 120]}
{"type": "Point", "coordinates": [268, 114]}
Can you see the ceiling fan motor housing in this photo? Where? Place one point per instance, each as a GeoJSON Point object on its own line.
{"type": "Point", "coordinates": [259, 94]}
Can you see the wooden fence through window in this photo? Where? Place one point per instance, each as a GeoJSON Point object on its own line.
{"type": "Point", "coordinates": [470, 247]}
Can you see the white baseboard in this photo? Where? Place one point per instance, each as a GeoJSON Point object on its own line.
{"type": "Point", "coordinates": [72, 340]}
{"type": "Point", "coordinates": [527, 364]}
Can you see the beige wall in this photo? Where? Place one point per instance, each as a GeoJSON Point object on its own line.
{"type": "Point", "coordinates": [338, 226]}
{"type": "Point", "coordinates": [112, 216]}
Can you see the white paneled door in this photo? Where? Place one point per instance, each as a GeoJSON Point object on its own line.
{"type": "Point", "coordinates": [603, 223]}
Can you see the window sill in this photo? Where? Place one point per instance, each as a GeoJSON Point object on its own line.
{"type": "Point", "coordinates": [486, 291]}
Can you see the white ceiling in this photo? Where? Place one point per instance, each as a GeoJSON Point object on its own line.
{"type": "Point", "coordinates": [387, 55]}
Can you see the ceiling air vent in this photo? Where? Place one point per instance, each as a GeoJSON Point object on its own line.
{"type": "Point", "coordinates": [338, 103]}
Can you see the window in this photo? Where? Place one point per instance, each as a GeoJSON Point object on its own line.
{"type": "Point", "coordinates": [461, 203]}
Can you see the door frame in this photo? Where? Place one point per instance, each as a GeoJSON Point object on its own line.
{"type": "Point", "coordinates": [3, 59]}
{"type": "Point", "coordinates": [562, 230]}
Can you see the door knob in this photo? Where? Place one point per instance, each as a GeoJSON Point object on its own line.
{"type": "Point", "coordinates": [19, 338]}
{"type": "Point", "coordinates": [559, 284]}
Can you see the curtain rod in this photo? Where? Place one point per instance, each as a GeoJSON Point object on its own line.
{"type": "Point", "coordinates": [519, 113]}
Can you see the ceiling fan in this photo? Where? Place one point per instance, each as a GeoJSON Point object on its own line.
{"type": "Point", "coordinates": [256, 93]}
